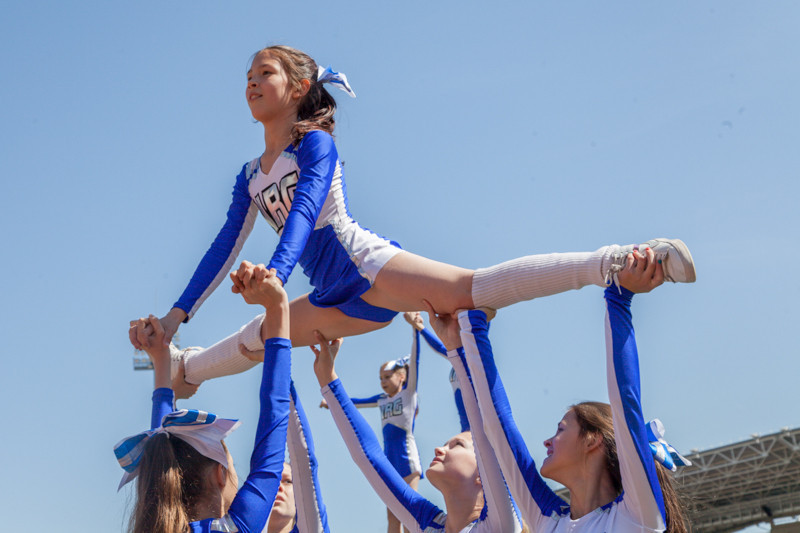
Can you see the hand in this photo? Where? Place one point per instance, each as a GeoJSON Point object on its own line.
{"type": "Point", "coordinates": [182, 388]}
{"type": "Point", "coordinates": [445, 326]}
{"type": "Point", "coordinates": [324, 404]}
{"type": "Point", "coordinates": [324, 358]}
{"type": "Point", "coordinates": [642, 273]}
{"type": "Point", "coordinates": [150, 336]}
{"type": "Point", "coordinates": [415, 319]}
{"type": "Point", "coordinates": [256, 356]}
{"type": "Point", "coordinates": [169, 322]}
{"type": "Point", "coordinates": [242, 276]}
{"type": "Point", "coordinates": [260, 286]}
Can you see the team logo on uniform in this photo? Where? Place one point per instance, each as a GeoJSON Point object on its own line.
{"type": "Point", "coordinates": [392, 409]}
{"type": "Point", "coordinates": [275, 201]}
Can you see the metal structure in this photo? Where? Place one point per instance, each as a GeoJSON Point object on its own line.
{"type": "Point", "coordinates": [742, 484]}
{"type": "Point", "coordinates": [745, 483]}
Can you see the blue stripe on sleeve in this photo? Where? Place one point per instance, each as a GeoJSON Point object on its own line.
{"type": "Point", "coordinates": [642, 491]}
{"type": "Point", "coordinates": [434, 342]}
{"type": "Point", "coordinates": [253, 503]}
{"type": "Point", "coordinates": [219, 258]}
{"type": "Point", "coordinates": [371, 401]}
{"type": "Point", "coordinates": [163, 404]}
{"type": "Point", "coordinates": [316, 157]}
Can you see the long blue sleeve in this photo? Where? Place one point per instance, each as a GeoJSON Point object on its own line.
{"type": "Point", "coordinates": [316, 157]}
{"type": "Point", "coordinates": [253, 503]}
{"type": "Point", "coordinates": [535, 499]}
{"type": "Point", "coordinates": [413, 510]}
{"type": "Point", "coordinates": [433, 341]}
{"type": "Point", "coordinates": [163, 404]}
{"type": "Point", "coordinates": [222, 253]}
{"type": "Point", "coordinates": [643, 498]}
{"type": "Point", "coordinates": [311, 516]}
{"type": "Point", "coordinates": [371, 401]}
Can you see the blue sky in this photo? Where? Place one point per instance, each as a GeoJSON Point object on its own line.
{"type": "Point", "coordinates": [479, 134]}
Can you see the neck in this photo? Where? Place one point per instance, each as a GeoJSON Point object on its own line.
{"type": "Point", "coordinates": [282, 525]}
{"type": "Point", "coordinates": [462, 508]}
{"type": "Point", "coordinates": [278, 132]}
{"type": "Point", "coordinates": [206, 509]}
{"type": "Point", "coordinates": [590, 489]}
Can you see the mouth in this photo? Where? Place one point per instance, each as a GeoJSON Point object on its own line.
{"type": "Point", "coordinates": [435, 461]}
{"type": "Point", "coordinates": [253, 97]}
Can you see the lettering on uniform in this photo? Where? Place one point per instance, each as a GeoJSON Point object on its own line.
{"type": "Point", "coordinates": [275, 201]}
{"type": "Point", "coordinates": [392, 409]}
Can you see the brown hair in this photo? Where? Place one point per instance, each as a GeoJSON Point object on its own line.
{"type": "Point", "coordinates": [595, 418]}
{"type": "Point", "coordinates": [170, 483]}
{"type": "Point", "coordinates": [317, 107]}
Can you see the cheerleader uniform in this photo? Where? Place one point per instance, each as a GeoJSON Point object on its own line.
{"type": "Point", "coordinates": [640, 507]}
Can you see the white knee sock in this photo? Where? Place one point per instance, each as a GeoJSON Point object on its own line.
{"type": "Point", "coordinates": [535, 276]}
{"type": "Point", "coordinates": [224, 357]}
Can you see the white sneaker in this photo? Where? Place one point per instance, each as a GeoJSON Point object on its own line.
{"type": "Point", "coordinates": [673, 254]}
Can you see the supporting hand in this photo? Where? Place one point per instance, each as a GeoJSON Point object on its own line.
{"type": "Point", "coordinates": [642, 273]}
{"type": "Point", "coordinates": [415, 319]}
{"type": "Point", "coordinates": [182, 388]}
{"type": "Point", "coordinates": [445, 326]}
{"type": "Point", "coordinates": [324, 358]}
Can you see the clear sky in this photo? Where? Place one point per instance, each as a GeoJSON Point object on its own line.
{"type": "Point", "coordinates": [479, 134]}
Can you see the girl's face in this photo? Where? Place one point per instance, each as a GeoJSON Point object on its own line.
{"type": "Point", "coordinates": [565, 450]}
{"type": "Point", "coordinates": [283, 510]}
{"type": "Point", "coordinates": [269, 93]}
{"type": "Point", "coordinates": [454, 463]}
{"type": "Point", "coordinates": [391, 380]}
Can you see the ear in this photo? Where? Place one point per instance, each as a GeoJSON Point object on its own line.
{"type": "Point", "coordinates": [219, 475]}
{"type": "Point", "coordinates": [302, 90]}
{"type": "Point", "coordinates": [593, 441]}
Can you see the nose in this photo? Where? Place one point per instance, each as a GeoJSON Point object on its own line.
{"type": "Point", "coordinates": [251, 83]}
{"type": "Point", "coordinates": [548, 442]}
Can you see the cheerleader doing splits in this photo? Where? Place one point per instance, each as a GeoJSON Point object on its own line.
{"type": "Point", "coordinates": [360, 279]}
{"type": "Point", "coordinates": [464, 468]}
{"type": "Point", "coordinates": [185, 476]}
{"type": "Point", "coordinates": [613, 463]}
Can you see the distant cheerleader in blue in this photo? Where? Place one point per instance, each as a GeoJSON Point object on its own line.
{"type": "Point", "coordinates": [464, 468]}
{"type": "Point", "coordinates": [184, 474]}
{"type": "Point", "coordinates": [613, 463]}
{"type": "Point", "coordinates": [360, 279]}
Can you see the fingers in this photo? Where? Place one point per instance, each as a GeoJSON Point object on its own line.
{"type": "Point", "coordinates": [334, 346]}
{"type": "Point", "coordinates": [133, 337]}
{"type": "Point", "coordinates": [141, 334]}
{"type": "Point", "coordinates": [253, 355]}
{"type": "Point", "coordinates": [430, 310]}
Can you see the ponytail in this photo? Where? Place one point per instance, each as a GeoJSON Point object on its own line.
{"type": "Point", "coordinates": [171, 481]}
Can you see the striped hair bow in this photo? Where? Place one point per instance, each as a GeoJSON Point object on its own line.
{"type": "Point", "coordinates": [662, 451]}
{"type": "Point", "coordinates": [338, 79]}
{"type": "Point", "coordinates": [397, 363]}
{"type": "Point", "coordinates": [201, 430]}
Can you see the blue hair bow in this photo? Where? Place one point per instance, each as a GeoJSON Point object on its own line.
{"type": "Point", "coordinates": [201, 430]}
{"type": "Point", "coordinates": [662, 451]}
{"type": "Point", "coordinates": [397, 363]}
{"type": "Point", "coordinates": [338, 79]}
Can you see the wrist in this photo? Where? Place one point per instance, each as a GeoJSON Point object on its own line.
{"type": "Point", "coordinates": [175, 316]}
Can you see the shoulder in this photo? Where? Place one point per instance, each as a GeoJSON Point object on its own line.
{"type": "Point", "coordinates": [316, 142]}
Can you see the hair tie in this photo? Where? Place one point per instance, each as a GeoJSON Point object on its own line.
{"type": "Point", "coordinates": [338, 79]}
{"type": "Point", "coordinates": [201, 430]}
{"type": "Point", "coordinates": [397, 363]}
{"type": "Point", "coordinates": [662, 451]}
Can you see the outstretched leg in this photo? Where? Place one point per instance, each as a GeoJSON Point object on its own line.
{"type": "Point", "coordinates": [224, 357]}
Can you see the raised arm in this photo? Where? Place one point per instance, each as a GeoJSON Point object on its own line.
{"type": "Point", "coordinates": [642, 491]}
{"type": "Point", "coordinates": [412, 380]}
{"type": "Point", "coordinates": [150, 335]}
{"type": "Point", "coordinates": [535, 499]}
{"type": "Point", "coordinates": [500, 513]}
{"type": "Point", "coordinates": [311, 514]}
{"type": "Point", "coordinates": [414, 512]}
{"type": "Point", "coordinates": [253, 503]}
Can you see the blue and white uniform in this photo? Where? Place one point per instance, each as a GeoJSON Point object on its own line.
{"type": "Point", "coordinates": [437, 345]}
{"type": "Point", "coordinates": [415, 512]}
{"type": "Point", "coordinates": [253, 503]}
{"type": "Point", "coordinates": [398, 414]}
{"type": "Point", "coordinates": [640, 507]}
{"type": "Point", "coordinates": [310, 516]}
{"type": "Point", "coordinates": [304, 198]}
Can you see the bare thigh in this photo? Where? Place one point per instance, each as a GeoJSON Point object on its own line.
{"type": "Point", "coordinates": [332, 323]}
{"type": "Point", "coordinates": [406, 279]}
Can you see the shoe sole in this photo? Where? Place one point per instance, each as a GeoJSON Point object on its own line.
{"type": "Point", "coordinates": [684, 261]}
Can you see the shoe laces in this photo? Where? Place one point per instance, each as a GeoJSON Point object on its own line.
{"type": "Point", "coordinates": [612, 274]}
